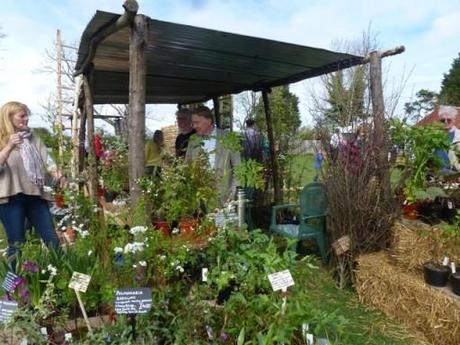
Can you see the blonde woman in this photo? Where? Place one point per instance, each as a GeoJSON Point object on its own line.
{"type": "Point", "coordinates": [22, 176]}
{"type": "Point", "coordinates": [154, 154]}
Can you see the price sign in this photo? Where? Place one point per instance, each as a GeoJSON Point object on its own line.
{"type": "Point", "coordinates": [11, 281]}
{"type": "Point", "coordinates": [79, 281]}
{"type": "Point", "coordinates": [133, 301]}
{"type": "Point", "coordinates": [7, 309]}
{"type": "Point", "coordinates": [281, 280]}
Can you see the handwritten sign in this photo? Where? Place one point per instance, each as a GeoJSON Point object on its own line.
{"type": "Point", "coordinates": [79, 281]}
{"type": "Point", "coordinates": [281, 280]}
{"type": "Point", "coordinates": [10, 282]}
{"type": "Point", "coordinates": [7, 309]}
{"type": "Point", "coordinates": [342, 245]}
{"type": "Point", "coordinates": [133, 301]}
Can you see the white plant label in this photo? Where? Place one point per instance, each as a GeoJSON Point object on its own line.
{"type": "Point", "coordinates": [453, 268]}
{"type": "Point", "coordinates": [445, 262]}
{"type": "Point", "coordinates": [204, 274]}
{"type": "Point", "coordinates": [281, 280]}
{"type": "Point", "coordinates": [308, 337]}
{"type": "Point", "coordinates": [450, 205]}
{"type": "Point", "coordinates": [79, 281]}
{"type": "Point", "coordinates": [44, 331]}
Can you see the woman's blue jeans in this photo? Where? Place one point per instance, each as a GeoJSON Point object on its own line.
{"type": "Point", "coordinates": [14, 213]}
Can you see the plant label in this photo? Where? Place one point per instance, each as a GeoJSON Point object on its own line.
{"type": "Point", "coordinates": [204, 274]}
{"type": "Point", "coordinates": [308, 337]}
{"type": "Point", "coordinates": [7, 309]}
{"type": "Point", "coordinates": [445, 262]}
{"type": "Point", "coordinates": [24, 341]}
{"type": "Point", "coordinates": [450, 205]}
{"type": "Point", "coordinates": [281, 280]}
{"type": "Point", "coordinates": [44, 331]}
{"type": "Point", "coordinates": [133, 301]}
{"type": "Point", "coordinates": [79, 281]}
{"type": "Point", "coordinates": [342, 245]}
{"type": "Point", "coordinates": [322, 341]}
{"type": "Point", "coordinates": [68, 336]}
{"type": "Point", "coordinates": [453, 268]}
{"type": "Point", "coordinates": [11, 282]}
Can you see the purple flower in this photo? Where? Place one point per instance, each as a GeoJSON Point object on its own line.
{"type": "Point", "coordinates": [24, 294]}
{"type": "Point", "coordinates": [29, 266]}
{"type": "Point", "coordinates": [224, 337]}
{"type": "Point", "coordinates": [18, 282]}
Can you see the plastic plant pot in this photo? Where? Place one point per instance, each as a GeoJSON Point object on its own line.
{"type": "Point", "coordinates": [436, 274]}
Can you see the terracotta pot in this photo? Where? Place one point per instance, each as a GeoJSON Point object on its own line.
{"type": "Point", "coordinates": [70, 233]}
{"type": "Point", "coordinates": [410, 211]}
{"type": "Point", "coordinates": [59, 200]}
{"type": "Point", "coordinates": [188, 225]}
{"type": "Point", "coordinates": [436, 274]}
{"type": "Point", "coordinates": [163, 226]}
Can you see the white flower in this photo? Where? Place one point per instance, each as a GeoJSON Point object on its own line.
{"type": "Point", "coordinates": [180, 269]}
{"type": "Point", "coordinates": [175, 231]}
{"type": "Point", "coordinates": [80, 225]}
{"type": "Point", "coordinates": [84, 233]}
{"type": "Point", "coordinates": [63, 228]}
{"type": "Point", "coordinates": [90, 252]}
{"type": "Point", "coordinates": [118, 250]}
{"type": "Point", "coordinates": [134, 247]}
{"type": "Point", "coordinates": [74, 222]}
{"type": "Point", "coordinates": [138, 230]}
{"type": "Point", "coordinates": [134, 266]}
{"type": "Point", "coordinates": [162, 257]}
{"type": "Point", "coordinates": [52, 270]}
{"type": "Point", "coordinates": [143, 263]}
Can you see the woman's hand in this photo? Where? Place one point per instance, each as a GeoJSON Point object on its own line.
{"type": "Point", "coordinates": [15, 139]}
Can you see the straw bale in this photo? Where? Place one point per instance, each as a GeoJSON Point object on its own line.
{"type": "Point", "coordinates": [415, 243]}
{"type": "Point", "coordinates": [406, 298]}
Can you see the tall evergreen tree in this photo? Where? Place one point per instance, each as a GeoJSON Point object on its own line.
{"type": "Point", "coordinates": [425, 102]}
{"type": "Point", "coordinates": [450, 87]}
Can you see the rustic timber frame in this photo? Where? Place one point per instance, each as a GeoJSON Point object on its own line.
{"type": "Point", "coordinates": [134, 59]}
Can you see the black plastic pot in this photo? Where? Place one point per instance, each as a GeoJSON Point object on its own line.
{"type": "Point", "coordinates": [436, 274]}
{"type": "Point", "coordinates": [455, 281]}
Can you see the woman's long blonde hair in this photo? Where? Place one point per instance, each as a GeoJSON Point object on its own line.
{"type": "Point", "coordinates": [6, 126]}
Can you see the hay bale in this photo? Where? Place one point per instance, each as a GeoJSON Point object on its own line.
{"type": "Point", "coordinates": [412, 246]}
{"type": "Point", "coordinates": [406, 298]}
{"type": "Point", "coordinates": [415, 243]}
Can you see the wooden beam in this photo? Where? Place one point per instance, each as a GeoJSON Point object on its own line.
{"type": "Point", "coordinates": [271, 143]}
{"type": "Point", "coordinates": [216, 105]}
{"type": "Point", "coordinates": [380, 135]}
{"type": "Point", "coordinates": [131, 7]}
{"type": "Point", "coordinates": [137, 95]}
{"type": "Point", "coordinates": [89, 110]}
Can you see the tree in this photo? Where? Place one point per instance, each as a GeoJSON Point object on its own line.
{"type": "Point", "coordinates": [450, 86]}
{"type": "Point", "coordinates": [286, 116]}
{"type": "Point", "coordinates": [425, 102]}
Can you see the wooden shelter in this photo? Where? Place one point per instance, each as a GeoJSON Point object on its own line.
{"type": "Point", "coordinates": [134, 59]}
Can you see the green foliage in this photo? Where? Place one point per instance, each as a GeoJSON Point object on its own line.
{"type": "Point", "coordinates": [114, 169]}
{"type": "Point", "coordinates": [419, 157]}
{"type": "Point", "coordinates": [249, 173]}
{"type": "Point", "coordinates": [450, 86]}
{"type": "Point", "coordinates": [424, 103]}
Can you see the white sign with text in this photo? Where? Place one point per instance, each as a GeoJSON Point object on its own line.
{"type": "Point", "coordinates": [281, 280]}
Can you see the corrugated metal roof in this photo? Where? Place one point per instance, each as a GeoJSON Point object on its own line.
{"type": "Point", "coordinates": [189, 64]}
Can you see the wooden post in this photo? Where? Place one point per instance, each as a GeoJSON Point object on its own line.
{"type": "Point", "coordinates": [378, 109]}
{"type": "Point", "coordinates": [215, 102]}
{"type": "Point", "coordinates": [75, 142]}
{"type": "Point", "coordinates": [82, 139]}
{"type": "Point", "coordinates": [137, 95]}
{"type": "Point", "coordinates": [58, 122]}
{"type": "Point", "coordinates": [89, 110]}
{"type": "Point", "coordinates": [271, 142]}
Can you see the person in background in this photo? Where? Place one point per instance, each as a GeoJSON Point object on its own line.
{"type": "Point", "coordinates": [318, 161]}
{"type": "Point", "coordinates": [336, 142]}
{"type": "Point", "coordinates": [184, 124]}
{"type": "Point", "coordinates": [154, 154]}
{"type": "Point", "coordinates": [220, 159]}
{"type": "Point", "coordinates": [447, 116]}
{"type": "Point", "coordinates": [23, 160]}
{"type": "Point", "coordinates": [253, 142]}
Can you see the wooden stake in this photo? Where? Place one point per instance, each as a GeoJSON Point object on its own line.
{"type": "Point", "coordinates": [83, 311]}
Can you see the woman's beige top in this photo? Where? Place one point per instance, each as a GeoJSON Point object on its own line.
{"type": "Point", "coordinates": [13, 176]}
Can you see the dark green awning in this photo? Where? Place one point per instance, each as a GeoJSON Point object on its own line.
{"type": "Point", "coordinates": [190, 64]}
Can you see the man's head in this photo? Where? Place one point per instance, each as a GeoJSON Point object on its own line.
{"type": "Point", "coordinates": [447, 115]}
{"type": "Point", "coordinates": [184, 120]}
{"type": "Point", "coordinates": [202, 120]}
{"type": "Point", "coordinates": [250, 123]}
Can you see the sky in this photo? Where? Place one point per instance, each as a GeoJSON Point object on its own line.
{"type": "Point", "coordinates": [430, 31]}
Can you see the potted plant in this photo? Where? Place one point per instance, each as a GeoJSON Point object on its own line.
{"type": "Point", "coordinates": [187, 191]}
{"type": "Point", "coordinates": [436, 274]}
{"type": "Point", "coordinates": [420, 158]}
